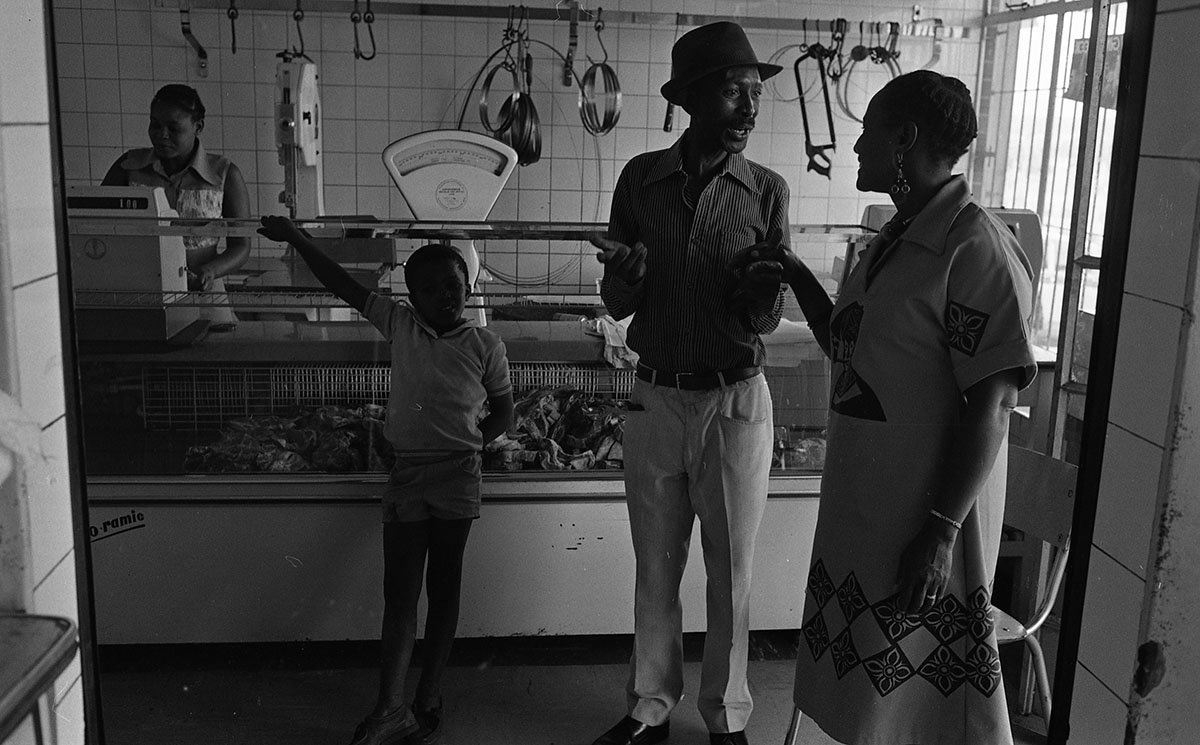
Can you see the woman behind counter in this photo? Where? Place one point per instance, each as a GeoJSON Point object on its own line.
{"type": "Point", "coordinates": [197, 184]}
{"type": "Point", "coordinates": [928, 342]}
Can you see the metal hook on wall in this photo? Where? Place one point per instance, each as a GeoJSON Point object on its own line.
{"type": "Point", "coordinates": [233, 15]}
{"type": "Point", "coordinates": [185, 23]}
{"type": "Point", "coordinates": [368, 18]}
{"type": "Point", "coordinates": [599, 29]}
{"type": "Point", "coordinates": [287, 55]}
{"type": "Point", "coordinates": [569, 62]}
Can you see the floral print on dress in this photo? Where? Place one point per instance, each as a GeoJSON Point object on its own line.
{"type": "Point", "coordinates": [888, 670]}
{"type": "Point", "coordinates": [208, 203]}
{"type": "Point", "coordinates": [850, 394]}
{"type": "Point", "coordinates": [964, 326]}
{"type": "Point", "coordinates": [950, 625]}
{"type": "Point", "coordinates": [944, 670]}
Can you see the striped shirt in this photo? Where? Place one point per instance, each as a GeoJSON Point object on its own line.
{"type": "Point", "coordinates": [682, 320]}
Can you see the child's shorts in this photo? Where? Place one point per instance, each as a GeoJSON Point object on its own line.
{"type": "Point", "coordinates": [439, 486]}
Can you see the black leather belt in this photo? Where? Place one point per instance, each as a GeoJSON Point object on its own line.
{"type": "Point", "coordinates": [696, 381]}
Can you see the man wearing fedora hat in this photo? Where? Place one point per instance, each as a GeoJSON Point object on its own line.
{"type": "Point", "coordinates": [698, 433]}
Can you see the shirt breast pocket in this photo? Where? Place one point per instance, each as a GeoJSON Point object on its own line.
{"type": "Point", "coordinates": [723, 246]}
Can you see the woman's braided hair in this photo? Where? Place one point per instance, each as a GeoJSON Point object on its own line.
{"type": "Point", "coordinates": [183, 97]}
{"type": "Point", "coordinates": [940, 106]}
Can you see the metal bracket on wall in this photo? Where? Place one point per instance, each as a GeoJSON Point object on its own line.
{"type": "Point", "coordinates": [185, 23]}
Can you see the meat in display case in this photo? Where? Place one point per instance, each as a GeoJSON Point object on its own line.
{"type": "Point", "coordinates": [156, 419]}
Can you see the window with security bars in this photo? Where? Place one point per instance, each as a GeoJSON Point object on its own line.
{"type": "Point", "coordinates": [1031, 107]}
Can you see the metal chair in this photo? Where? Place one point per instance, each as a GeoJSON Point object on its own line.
{"type": "Point", "coordinates": [1039, 502]}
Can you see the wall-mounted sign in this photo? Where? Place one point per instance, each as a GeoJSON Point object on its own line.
{"type": "Point", "coordinates": [1111, 71]}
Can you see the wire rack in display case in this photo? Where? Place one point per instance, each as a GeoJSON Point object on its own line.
{"type": "Point", "coordinates": [205, 397]}
{"type": "Point", "coordinates": [595, 380]}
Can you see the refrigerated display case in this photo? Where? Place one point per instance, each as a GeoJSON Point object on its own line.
{"type": "Point", "coordinates": [234, 477]}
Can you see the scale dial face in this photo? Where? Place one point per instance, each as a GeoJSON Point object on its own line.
{"type": "Point", "coordinates": [450, 152]}
{"type": "Point", "coordinates": [449, 174]}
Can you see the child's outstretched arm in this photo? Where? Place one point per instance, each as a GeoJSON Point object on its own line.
{"type": "Point", "coordinates": [499, 418]}
{"type": "Point", "coordinates": [331, 274]}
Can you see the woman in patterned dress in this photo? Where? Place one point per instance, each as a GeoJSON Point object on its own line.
{"type": "Point", "coordinates": [928, 343]}
{"type": "Point", "coordinates": [197, 183]}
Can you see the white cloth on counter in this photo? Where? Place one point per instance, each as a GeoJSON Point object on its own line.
{"type": "Point", "coordinates": [616, 351]}
{"type": "Point", "coordinates": [791, 343]}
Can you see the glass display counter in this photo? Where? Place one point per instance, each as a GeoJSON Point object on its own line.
{"type": "Point", "coordinates": [290, 387]}
{"type": "Point", "coordinates": [241, 463]}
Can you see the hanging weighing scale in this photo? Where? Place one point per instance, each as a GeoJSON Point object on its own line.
{"type": "Point", "coordinates": [453, 176]}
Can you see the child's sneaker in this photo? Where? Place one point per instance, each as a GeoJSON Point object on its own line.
{"type": "Point", "coordinates": [389, 729]}
{"type": "Point", "coordinates": [430, 725]}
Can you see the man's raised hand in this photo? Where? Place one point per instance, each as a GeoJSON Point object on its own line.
{"type": "Point", "coordinates": [619, 260]}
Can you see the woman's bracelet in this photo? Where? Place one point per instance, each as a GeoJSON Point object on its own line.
{"type": "Point", "coordinates": [957, 525]}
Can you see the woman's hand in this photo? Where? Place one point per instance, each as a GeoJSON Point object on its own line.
{"type": "Point", "coordinates": [619, 260]}
{"type": "Point", "coordinates": [766, 261]}
{"type": "Point", "coordinates": [757, 272]}
{"type": "Point", "coordinates": [281, 229]}
{"type": "Point", "coordinates": [924, 571]}
{"type": "Point", "coordinates": [203, 277]}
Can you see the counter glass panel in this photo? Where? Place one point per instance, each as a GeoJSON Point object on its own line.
{"type": "Point", "coordinates": [275, 376]}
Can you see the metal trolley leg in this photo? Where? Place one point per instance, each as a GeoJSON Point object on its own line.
{"type": "Point", "coordinates": [793, 728]}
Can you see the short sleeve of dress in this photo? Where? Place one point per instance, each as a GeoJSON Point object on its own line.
{"type": "Point", "coordinates": [496, 379]}
{"type": "Point", "coordinates": [989, 298]}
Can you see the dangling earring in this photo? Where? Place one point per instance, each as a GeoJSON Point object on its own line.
{"type": "Point", "coordinates": [900, 187]}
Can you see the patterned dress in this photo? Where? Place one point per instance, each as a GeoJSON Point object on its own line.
{"type": "Point", "coordinates": [921, 318]}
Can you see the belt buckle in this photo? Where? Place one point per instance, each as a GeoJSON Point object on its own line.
{"type": "Point", "coordinates": [678, 380]}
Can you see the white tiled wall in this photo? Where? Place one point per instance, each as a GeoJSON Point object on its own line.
{"type": "Point", "coordinates": [33, 350]}
{"type": "Point", "coordinates": [1146, 548]}
{"type": "Point", "coordinates": [113, 54]}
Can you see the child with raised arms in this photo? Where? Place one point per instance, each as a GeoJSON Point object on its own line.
{"type": "Point", "coordinates": [450, 395]}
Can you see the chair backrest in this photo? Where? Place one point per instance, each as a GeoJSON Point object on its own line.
{"type": "Point", "coordinates": [1040, 495]}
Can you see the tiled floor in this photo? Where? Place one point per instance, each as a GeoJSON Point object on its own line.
{"type": "Point", "coordinates": [497, 693]}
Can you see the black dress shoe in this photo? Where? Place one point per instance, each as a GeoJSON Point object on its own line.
{"type": "Point", "coordinates": [630, 731]}
{"type": "Point", "coordinates": [727, 738]}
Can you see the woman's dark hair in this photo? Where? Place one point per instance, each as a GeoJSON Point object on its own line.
{"type": "Point", "coordinates": [940, 106]}
{"type": "Point", "coordinates": [183, 97]}
{"type": "Point", "coordinates": [432, 254]}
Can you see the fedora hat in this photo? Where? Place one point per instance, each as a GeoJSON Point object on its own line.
{"type": "Point", "coordinates": [707, 49]}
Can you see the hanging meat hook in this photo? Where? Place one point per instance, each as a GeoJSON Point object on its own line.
{"type": "Point", "coordinates": [185, 24]}
{"type": "Point", "coordinates": [233, 14]}
{"type": "Point", "coordinates": [287, 55]}
{"type": "Point", "coordinates": [833, 53]}
{"type": "Point", "coordinates": [573, 44]}
{"type": "Point", "coordinates": [368, 18]}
